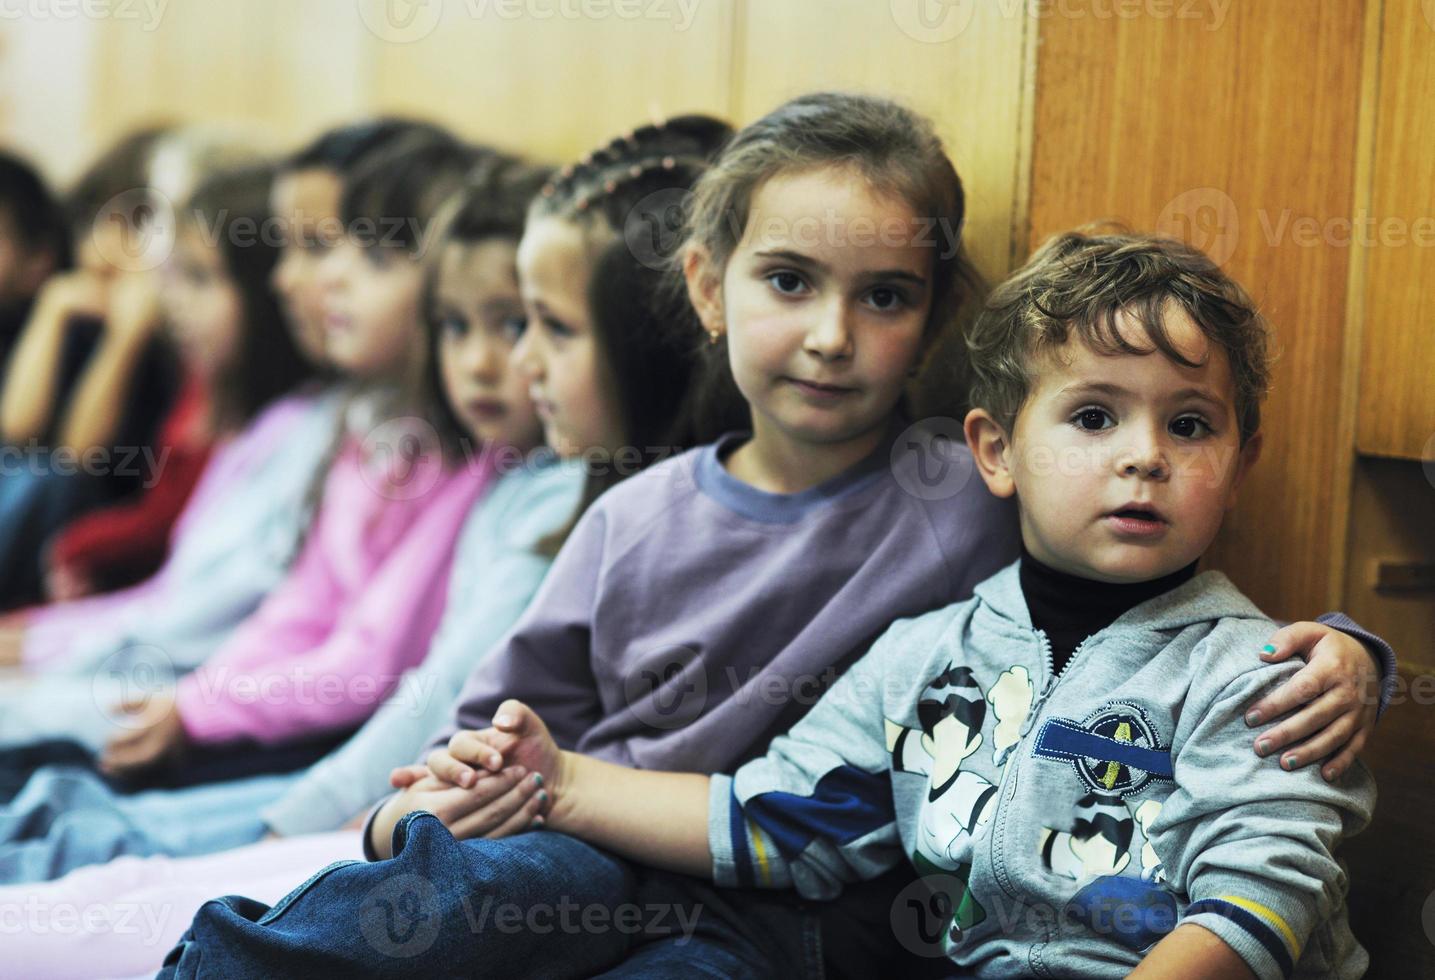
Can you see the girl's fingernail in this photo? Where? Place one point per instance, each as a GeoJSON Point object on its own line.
{"type": "Point", "coordinates": [1268, 649]}
{"type": "Point", "coordinates": [1263, 747]}
{"type": "Point", "coordinates": [503, 721]}
{"type": "Point", "coordinates": [519, 772]}
{"type": "Point", "coordinates": [538, 779]}
{"type": "Point", "coordinates": [1289, 762]}
{"type": "Point", "coordinates": [1253, 717]}
{"type": "Point", "coordinates": [543, 796]}
{"type": "Point", "coordinates": [1331, 774]}
{"type": "Point", "coordinates": [536, 824]}
{"type": "Point", "coordinates": [465, 779]}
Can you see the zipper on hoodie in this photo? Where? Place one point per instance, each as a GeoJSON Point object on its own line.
{"type": "Point", "coordinates": [1007, 785]}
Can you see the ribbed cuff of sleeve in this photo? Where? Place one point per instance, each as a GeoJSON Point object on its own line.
{"type": "Point", "coordinates": [369, 853]}
{"type": "Point", "coordinates": [726, 871]}
{"type": "Point", "coordinates": [1379, 649]}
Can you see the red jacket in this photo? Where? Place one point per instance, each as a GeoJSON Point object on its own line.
{"type": "Point", "coordinates": [127, 542]}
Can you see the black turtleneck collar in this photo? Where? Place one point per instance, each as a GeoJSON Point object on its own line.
{"type": "Point", "coordinates": [1068, 608]}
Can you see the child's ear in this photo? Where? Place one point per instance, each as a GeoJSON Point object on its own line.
{"type": "Point", "coordinates": [704, 288]}
{"type": "Point", "coordinates": [1250, 452]}
{"type": "Point", "coordinates": [991, 448]}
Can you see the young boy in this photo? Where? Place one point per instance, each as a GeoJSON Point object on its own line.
{"type": "Point", "coordinates": [1063, 757]}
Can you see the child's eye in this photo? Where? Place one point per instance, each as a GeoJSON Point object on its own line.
{"type": "Point", "coordinates": [886, 299]}
{"type": "Point", "coordinates": [1092, 419]}
{"type": "Point", "coordinates": [556, 328]}
{"type": "Point", "coordinates": [512, 328]}
{"type": "Point", "coordinates": [1190, 427]}
{"type": "Point", "coordinates": [456, 326]}
{"type": "Point", "coordinates": [785, 282]}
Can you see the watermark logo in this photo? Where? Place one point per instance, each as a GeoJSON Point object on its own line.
{"type": "Point", "coordinates": [655, 226]}
{"type": "Point", "coordinates": [402, 458]}
{"type": "Point", "coordinates": [933, 21]}
{"type": "Point", "coordinates": [400, 917]}
{"type": "Point", "coordinates": [923, 916]}
{"type": "Point", "coordinates": [1205, 218]}
{"type": "Point", "coordinates": [669, 690]}
{"type": "Point", "coordinates": [148, 12]}
{"type": "Point", "coordinates": [134, 231]}
{"type": "Point", "coordinates": [132, 676]}
{"type": "Point", "coordinates": [401, 21]}
{"type": "Point", "coordinates": [926, 461]}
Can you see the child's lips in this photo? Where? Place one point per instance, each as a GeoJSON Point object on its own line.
{"type": "Point", "coordinates": [1135, 520]}
{"type": "Point", "coordinates": [819, 391]}
{"type": "Point", "coordinates": [486, 409]}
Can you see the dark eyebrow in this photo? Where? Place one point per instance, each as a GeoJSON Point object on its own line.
{"type": "Point", "coordinates": [1199, 393]}
{"type": "Point", "coordinates": [1094, 387]}
{"type": "Point", "coordinates": [881, 275]}
{"type": "Point", "coordinates": [888, 275]}
{"type": "Point", "coordinates": [787, 255]}
{"type": "Point", "coordinates": [1106, 388]}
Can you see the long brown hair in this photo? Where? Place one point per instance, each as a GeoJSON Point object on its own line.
{"type": "Point", "coordinates": [232, 207]}
{"type": "Point", "coordinates": [645, 331]}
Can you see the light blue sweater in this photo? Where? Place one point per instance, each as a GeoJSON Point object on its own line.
{"type": "Point", "coordinates": [1063, 824]}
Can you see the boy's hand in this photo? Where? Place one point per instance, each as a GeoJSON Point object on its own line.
{"type": "Point", "coordinates": [64, 583]}
{"type": "Point", "coordinates": [497, 805]}
{"type": "Point", "coordinates": [76, 293]}
{"type": "Point", "coordinates": [518, 737]}
{"type": "Point", "coordinates": [156, 734]}
{"type": "Point", "coordinates": [1339, 688]}
{"type": "Point", "coordinates": [134, 310]}
{"type": "Point", "coordinates": [405, 776]}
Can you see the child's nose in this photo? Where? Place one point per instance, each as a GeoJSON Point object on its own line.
{"type": "Point", "coordinates": [830, 336]}
{"type": "Point", "coordinates": [486, 359]}
{"type": "Point", "coordinates": [1144, 457]}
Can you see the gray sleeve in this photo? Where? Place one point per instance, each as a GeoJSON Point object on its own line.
{"type": "Point", "coordinates": [1250, 844]}
{"type": "Point", "coordinates": [817, 811]}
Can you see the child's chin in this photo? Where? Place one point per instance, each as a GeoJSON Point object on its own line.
{"type": "Point", "coordinates": [1138, 564]}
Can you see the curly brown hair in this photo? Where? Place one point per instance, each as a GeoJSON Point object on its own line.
{"type": "Point", "coordinates": [1079, 282]}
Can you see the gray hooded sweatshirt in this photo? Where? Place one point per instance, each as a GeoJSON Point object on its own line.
{"type": "Point", "coordinates": [1062, 825]}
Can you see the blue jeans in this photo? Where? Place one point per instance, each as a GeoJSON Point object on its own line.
{"type": "Point", "coordinates": [67, 817]}
{"type": "Point", "coordinates": [540, 904]}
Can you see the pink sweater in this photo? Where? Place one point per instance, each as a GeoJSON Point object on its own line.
{"type": "Point", "coordinates": [357, 609]}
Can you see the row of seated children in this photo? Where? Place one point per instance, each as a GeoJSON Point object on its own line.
{"type": "Point", "coordinates": [558, 502]}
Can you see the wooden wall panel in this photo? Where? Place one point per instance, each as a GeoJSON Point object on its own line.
{"type": "Point", "coordinates": [1397, 377]}
{"type": "Point", "coordinates": [1234, 132]}
{"type": "Point", "coordinates": [966, 71]}
{"type": "Point", "coordinates": [557, 87]}
{"type": "Point", "coordinates": [281, 69]}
